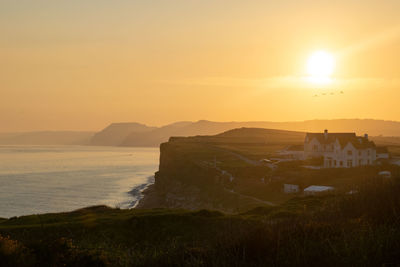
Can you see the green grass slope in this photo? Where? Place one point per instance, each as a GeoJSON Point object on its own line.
{"type": "Point", "coordinates": [329, 230]}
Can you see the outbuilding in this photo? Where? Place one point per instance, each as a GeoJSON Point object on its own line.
{"type": "Point", "coordinates": [315, 189]}
{"type": "Point", "coordinates": [385, 174]}
{"type": "Point", "coordinates": [290, 188]}
{"type": "Point", "coordinates": [382, 153]}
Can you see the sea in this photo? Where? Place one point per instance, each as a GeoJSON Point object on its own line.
{"type": "Point", "coordinates": [46, 179]}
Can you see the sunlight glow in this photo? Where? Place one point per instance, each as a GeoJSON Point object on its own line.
{"type": "Point", "coordinates": [320, 67]}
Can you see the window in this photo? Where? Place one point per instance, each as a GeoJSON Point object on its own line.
{"type": "Point", "coordinates": [335, 163]}
{"type": "Point", "coordinates": [360, 162]}
{"type": "Point", "coordinates": [349, 163]}
{"type": "Point", "coordinates": [315, 147]}
{"type": "Point", "coordinates": [359, 152]}
{"type": "Point", "coordinates": [341, 163]}
{"type": "Point", "coordinates": [349, 152]}
{"type": "Point", "coordinates": [368, 152]}
{"type": "Point", "coordinates": [329, 162]}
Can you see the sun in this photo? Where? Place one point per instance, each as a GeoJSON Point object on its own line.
{"type": "Point", "coordinates": [320, 67]}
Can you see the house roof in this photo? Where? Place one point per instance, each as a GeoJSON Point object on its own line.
{"type": "Point", "coordinates": [343, 138]}
{"type": "Point", "coordinates": [331, 137]}
{"type": "Point", "coordinates": [361, 143]}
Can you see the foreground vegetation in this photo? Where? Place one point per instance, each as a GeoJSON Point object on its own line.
{"type": "Point", "coordinates": [360, 229]}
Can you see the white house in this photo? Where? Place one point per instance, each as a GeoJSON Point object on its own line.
{"type": "Point", "coordinates": [340, 150]}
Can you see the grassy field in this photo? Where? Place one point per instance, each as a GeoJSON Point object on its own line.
{"type": "Point", "coordinates": [328, 230]}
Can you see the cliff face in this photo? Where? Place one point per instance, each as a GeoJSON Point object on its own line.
{"type": "Point", "coordinates": [207, 172]}
{"type": "Point", "coordinates": [181, 182]}
{"type": "Point", "coordinates": [227, 172]}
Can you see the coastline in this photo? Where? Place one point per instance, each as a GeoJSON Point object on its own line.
{"type": "Point", "coordinates": [139, 192]}
{"type": "Point", "coordinates": [149, 198]}
{"type": "Point", "coordinates": [51, 179]}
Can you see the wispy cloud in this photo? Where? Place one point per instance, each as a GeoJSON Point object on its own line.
{"type": "Point", "coordinates": [381, 38]}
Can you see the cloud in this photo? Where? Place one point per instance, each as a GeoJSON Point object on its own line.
{"type": "Point", "coordinates": [381, 38]}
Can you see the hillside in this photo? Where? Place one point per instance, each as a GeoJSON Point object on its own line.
{"type": "Point", "coordinates": [140, 135]}
{"type": "Point", "coordinates": [203, 127]}
{"type": "Point", "coordinates": [156, 136]}
{"type": "Point", "coordinates": [359, 126]}
{"type": "Point", "coordinates": [115, 133]}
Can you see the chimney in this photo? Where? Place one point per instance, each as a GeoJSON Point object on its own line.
{"type": "Point", "coordinates": [326, 134]}
{"type": "Point", "coordinates": [366, 136]}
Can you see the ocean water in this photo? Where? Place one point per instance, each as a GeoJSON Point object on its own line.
{"type": "Point", "coordinates": [42, 179]}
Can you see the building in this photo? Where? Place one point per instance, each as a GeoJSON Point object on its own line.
{"type": "Point", "coordinates": [385, 174]}
{"type": "Point", "coordinates": [395, 161]}
{"type": "Point", "coordinates": [382, 153]}
{"type": "Point", "coordinates": [290, 188]}
{"type": "Point", "coordinates": [340, 150]}
{"type": "Point", "coordinates": [295, 152]}
{"type": "Point", "coordinates": [316, 189]}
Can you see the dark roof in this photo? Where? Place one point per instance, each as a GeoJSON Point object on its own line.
{"type": "Point", "coordinates": [362, 142]}
{"type": "Point", "coordinates": [382, 149]}
{"type": "Point", "coordinates": [343, 138]}
{"type": "Point", "coordinates": [331, 137]}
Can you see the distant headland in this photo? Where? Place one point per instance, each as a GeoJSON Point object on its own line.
{"type": "Point", "coordinates": [140, 135]}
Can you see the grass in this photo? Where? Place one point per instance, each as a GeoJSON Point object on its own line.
{"type": "Point", "coordinates": [327, 230]}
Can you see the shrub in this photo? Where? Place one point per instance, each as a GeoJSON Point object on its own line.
{"type": "Point", "coordinates": [13, 253]}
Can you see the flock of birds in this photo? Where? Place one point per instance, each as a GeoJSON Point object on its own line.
{"type": "Point", "coordinates": [331, 93]}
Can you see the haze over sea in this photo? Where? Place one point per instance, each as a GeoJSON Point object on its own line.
{"type": "Point", "coordinates": [41, 179]}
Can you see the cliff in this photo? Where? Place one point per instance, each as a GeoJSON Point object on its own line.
{"type": "Point", "coordinates": [215, 172]}
{"type": "Point", "coordinates": [225, 172]}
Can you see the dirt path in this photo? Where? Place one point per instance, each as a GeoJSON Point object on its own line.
{"type": "Point", "coordinates": [247, 160]}
{"type": "Point", "coordinates": [250, 197]}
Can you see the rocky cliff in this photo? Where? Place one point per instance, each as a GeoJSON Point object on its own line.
{"type": "Point", "coordinates": [227, 172]}
{"type": "Point", "coordinates": [181, 182]}
{"type": "Point", "coordinates": [206, 172]}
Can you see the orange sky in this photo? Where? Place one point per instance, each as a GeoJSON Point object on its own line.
{"type": "Point", "coordinates": [80, 65]}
